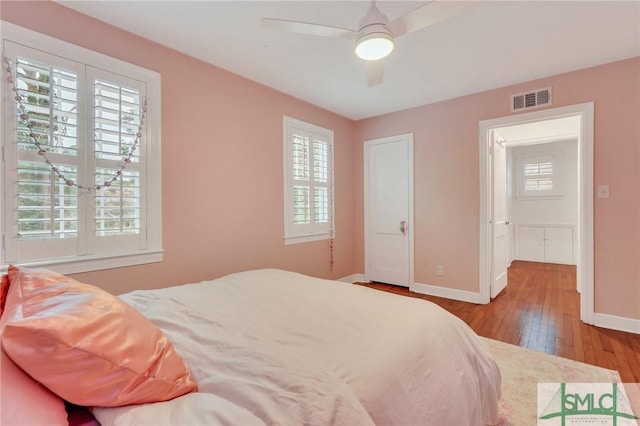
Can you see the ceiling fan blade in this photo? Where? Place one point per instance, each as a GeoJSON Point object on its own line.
{"type": "Point", "coordinates": [307, 28]}
{"type": "Point", "coordinates": [375, 72]}
{"type": "Point", "coordinates": [429, 14]}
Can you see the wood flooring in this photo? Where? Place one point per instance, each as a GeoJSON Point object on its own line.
{"type": "Point", "coordinates": [540, 310]}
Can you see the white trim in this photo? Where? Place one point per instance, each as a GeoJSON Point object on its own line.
{"type": "Point", "coordinates": [93, 263]}
{"type": "Point", "coordinates": [585, 249]}
{"type": "Point", "coordinates": [447, 293]}
{"type": "Point", "coordinates": [485, 135]}
{"type": "Point", "coordinates": [306, 238]}
{"type": "Point", "coordinates": [585, 222]}
{"type": "Point", "coordinates": [553, 225]}
{"type": "Point", "coordinates": [154, 165]}
{"type": "Point", "coordinates": [410, 176]}
{"type": "Point", "coordinates": [352, 278]}
{"type": "Point", "coordinates": [629, 325]}
{"type": "Point", "coordinates": [548, 139]}
{"type": "Point", "coordinates": [538, 197]}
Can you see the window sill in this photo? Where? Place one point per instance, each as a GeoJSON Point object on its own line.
{"type": "Point", "coordinates": [539, 197]}
{"type": "Point", "coordinates": [306, 238]}
{"type": "Point", "coordinates": [78, 264]}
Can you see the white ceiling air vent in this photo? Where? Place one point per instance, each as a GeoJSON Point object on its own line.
{"type": "Point", "coordinates": [532, 99]}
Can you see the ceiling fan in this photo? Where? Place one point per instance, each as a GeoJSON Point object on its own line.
{"type": "Point", "coordinates": [375, 38]}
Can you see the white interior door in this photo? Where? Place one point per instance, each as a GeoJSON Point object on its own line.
{"type": "Point", "coordinates": [499, 221]}
{"type": "Point", "coordinates": [388, 168]}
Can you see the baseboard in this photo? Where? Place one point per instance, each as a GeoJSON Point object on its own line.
{"type": "Point", "coordinates": [613, 322]}
{"type": "Point", "coordinates": [431, 290]}
{"type": "Point", "coordinates": [447, 293]}
{"type": "Point", "coordinates": [352, 278]}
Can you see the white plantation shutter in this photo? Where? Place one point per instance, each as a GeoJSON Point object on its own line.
{"type": "Point", "coordinates": [87, 119]}
{"type": "Point", "coordinates": [301, 182]}
{"type": "Point", "coordinates": [320, 181]}
{"type": "Point", "coordinates": [118, 208]}
{"type": "Point", "coordinates": [537, 175]}
{"type": "Point", "coordinates": [47, 208]}
{"type": "Point", "coordinates": [40, 207]}
{"type": "Point", "coordinates": [308, 181]}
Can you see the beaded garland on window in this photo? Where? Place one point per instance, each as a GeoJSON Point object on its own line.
{"type": "Point", "coordinates": [24, 116]}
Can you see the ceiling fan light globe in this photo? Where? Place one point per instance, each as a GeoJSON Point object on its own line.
{"type": "Point", "coordinates": [374, 46]}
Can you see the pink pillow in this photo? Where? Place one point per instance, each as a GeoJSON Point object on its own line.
{"type": "Point", "coordinates": [4, 289]}
{"type": "Point", "coordinates": [88, 346]}
{"type": "Point", "coordinates": [23, 401]}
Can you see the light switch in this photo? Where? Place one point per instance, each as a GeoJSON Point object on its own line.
{"type": "Point", "coordinates": [603, 191]}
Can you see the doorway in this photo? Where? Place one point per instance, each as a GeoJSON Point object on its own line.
{"type": "Point", "coordinates": [388, 210]}
{"type": "Point", "coordinates": [490, 135]}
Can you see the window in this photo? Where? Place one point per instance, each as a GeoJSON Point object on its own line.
{"type": "Point", "coordinates": [82, 124]}
{"type": "Point", "coordinates": [308, 187]}
{"type": "Point", "coordinates": [537, 176]}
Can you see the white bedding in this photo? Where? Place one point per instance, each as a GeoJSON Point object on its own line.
{"type": "Point", "coordinates": [278, 348]}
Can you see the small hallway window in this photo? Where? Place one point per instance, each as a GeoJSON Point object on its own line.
{"type": "Point", "coordinates": [537, 176]}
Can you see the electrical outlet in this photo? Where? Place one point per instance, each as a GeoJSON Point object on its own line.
{"type": "Point", "coordinates": [440, 270]}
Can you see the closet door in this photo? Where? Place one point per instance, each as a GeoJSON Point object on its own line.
{"type": "Point", "coordinates": [388, 167]}
{"type": "Point", "coordinates": [531, 243]}
{"type": "Point", "coordinates": [558, 245]}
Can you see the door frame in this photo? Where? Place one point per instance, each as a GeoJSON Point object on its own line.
{"type": "Point", "coordinates": [408, 138]}
{"type": "Point", "coordinates": [495, 140]}
{"type": "Point", "coordinates": [585, 250]}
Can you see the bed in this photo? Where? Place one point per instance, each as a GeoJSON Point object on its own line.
{"type": "Point", "coordinates": [271, 347]}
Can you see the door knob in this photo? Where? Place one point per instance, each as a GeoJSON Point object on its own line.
{"type": "Point", "coordinates": [403, 227]}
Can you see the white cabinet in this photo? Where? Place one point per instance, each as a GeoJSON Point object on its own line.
{"type": "Point", "coordinates": [558, 247]}
{"type": "Point", "coordinates": [544, 243]}
{"type": "Point", "coordinates": [530, 243]}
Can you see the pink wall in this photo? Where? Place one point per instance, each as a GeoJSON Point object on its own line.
{"type": "Point", "coordinates": [446, 179]}
{"type": "Point", "coordinates": [222, 177]}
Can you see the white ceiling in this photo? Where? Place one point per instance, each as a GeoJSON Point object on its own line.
{"type": "Point", "coordinates": [493, 44]}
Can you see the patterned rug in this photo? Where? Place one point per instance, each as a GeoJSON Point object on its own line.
{"type": "Point", "coordinates": [522, 369]}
